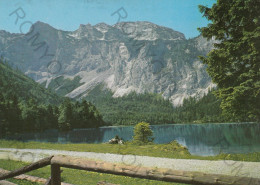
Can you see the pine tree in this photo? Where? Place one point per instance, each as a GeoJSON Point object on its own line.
{"type": "Point", "coordinates": [234, 64]}
{"type": "Point", "coordinates": [66, 115]}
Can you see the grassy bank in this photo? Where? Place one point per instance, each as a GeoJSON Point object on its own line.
{"type": "Point", "coordinates": [171, 150]}
{"type": "Point", "coordinates": [79, 177]}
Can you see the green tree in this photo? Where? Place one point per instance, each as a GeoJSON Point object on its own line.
{"type": "Point", "coordinates": [13, 114]}
{"type": "Point", "coordinates": [142, 133]}
{"type": "Point", "coordinates": [4, 126]}
{"type": "Point", "coordinates": [82, 115]}
{"type": "Point", "coordinates": [66, 115]}
{"type": "Point", "coordinates": [33, 116]}
{"type": "Point", "coordinates": [234, 64]}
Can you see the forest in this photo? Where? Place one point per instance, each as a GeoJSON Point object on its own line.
{"type": "Point", "coordinates": [26, 106]}
{"type": "Point", "coordinates": [154, 109]}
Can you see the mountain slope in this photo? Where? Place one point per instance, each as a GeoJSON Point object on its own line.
{"type": "Point", "coordinates": [14, 82]}
{"type": "Point", "coordinates": [131, 56]}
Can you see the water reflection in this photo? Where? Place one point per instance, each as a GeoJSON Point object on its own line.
{"type": "Point", "coordinates": [201, 139]}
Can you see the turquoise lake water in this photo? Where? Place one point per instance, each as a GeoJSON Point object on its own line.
{"type": "Point", "coordinates": [200, 139]}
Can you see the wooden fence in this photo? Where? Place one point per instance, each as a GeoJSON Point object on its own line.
{"type": "Point", "coordinates": [168, 175]}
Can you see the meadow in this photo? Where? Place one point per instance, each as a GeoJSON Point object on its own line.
{"type": "Point", "coordinates": [170, 150]}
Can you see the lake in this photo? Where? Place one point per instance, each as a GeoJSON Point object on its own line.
{"type": "Point", "coordinates": [200, 139]}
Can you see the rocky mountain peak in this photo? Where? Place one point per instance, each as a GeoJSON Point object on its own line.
{"type": "Point", "coordinates": [143, 30]}
{"type": "Point", "coordinates": [126, 57]}
{"type": "Point", "coordinates": [103, 27]}
{"type": "Point", "coordinates": [41, 26]}
{"type": "Point", "coordinates": [85, 27]}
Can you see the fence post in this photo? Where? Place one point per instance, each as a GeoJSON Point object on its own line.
{"type": "Point", "coordinates": [55, 175]}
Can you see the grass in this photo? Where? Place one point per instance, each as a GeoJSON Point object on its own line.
{"type": "Point", "coordinates": [171, 150]}
{"type": "Point", "coordinates": [79, 176]}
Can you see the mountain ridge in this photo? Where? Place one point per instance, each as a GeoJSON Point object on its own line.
{"type": "Point", "coordinates": [128, 56]}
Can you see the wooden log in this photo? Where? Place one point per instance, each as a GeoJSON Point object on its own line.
{"type": "Point", "coordinates": [153, 173]}
{"type": "Point", "coordinates": [34, 166]}
{"type": "Point", "coordinates": [6, 183]}
{"type": "Point", "coordinates": [30, 178]}
{"type": "Point", "coordinates": [55, 174]}
{"type": "Point", "coordinates": [25, 177]}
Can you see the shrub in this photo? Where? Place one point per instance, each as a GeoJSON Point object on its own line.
{"type": "Point", "coordinates": [142, 134]}
{"type": "Point", "coordinates": [176, 148]}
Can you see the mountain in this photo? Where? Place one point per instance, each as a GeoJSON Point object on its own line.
{"type": "Point", "coordinates": [129, 56]}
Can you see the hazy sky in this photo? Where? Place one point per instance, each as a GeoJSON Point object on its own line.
{"type": "Point", "coordinates": [180, 15]}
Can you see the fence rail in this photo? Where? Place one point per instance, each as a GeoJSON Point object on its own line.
{"type": "Point", "coordinates": [168, 175]}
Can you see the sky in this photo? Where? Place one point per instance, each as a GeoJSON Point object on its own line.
{"type": "Point", "coordinates": [180, 15]}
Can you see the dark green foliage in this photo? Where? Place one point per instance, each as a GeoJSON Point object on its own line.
{"type": "Point", "coordinates": [131, 109]}
{"type": "Point", "coordinates": [152, 108]}
{"type": "Point", "coordinates": [66, 115]}
{"type": "Point", "coordinates": [234, 64]}
{"type": "Point", "coordinates": [78, 115]}
{"type": "Point", "coordinates": [31, 117]}
{"type": "Point", "coordinates": [64, 86]}
{"type": "Point", "coordinates": [23, 109]}
{"type": "Point", "coordinates": [205, 110]}
{"type": "Point", "coordinates": [142, 134]}
{"type": "Point", "coordinates": [37, 117]}
{"type": "Point", "coordinates": [15, 83]}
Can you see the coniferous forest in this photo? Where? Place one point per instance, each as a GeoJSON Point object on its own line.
{"type": "Point", "coordinates": [26, 106]}
{"type": "Point", "coordinates": [152, 108]}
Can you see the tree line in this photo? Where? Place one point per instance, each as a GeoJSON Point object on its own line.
{"type": "Point", "coordinates": [28, 116]}
{"type": "Point", "coordinates": [153, 108]}
{"type": "Point", "coordinates": [132, 108]}
{"type": "Point", "coordinates": [204, 110]}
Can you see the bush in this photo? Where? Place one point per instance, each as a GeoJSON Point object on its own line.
{"type": "Point", "coordinates": [176, 148]}
{"type": "Point", "coordinates": [142, 134]}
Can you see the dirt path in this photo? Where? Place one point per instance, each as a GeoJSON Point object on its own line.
{"type": "Point", "coordinates": [228, 167]}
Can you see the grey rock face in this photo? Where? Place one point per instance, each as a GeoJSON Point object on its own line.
{"type": "Point", "coordinates": [129, 56]}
